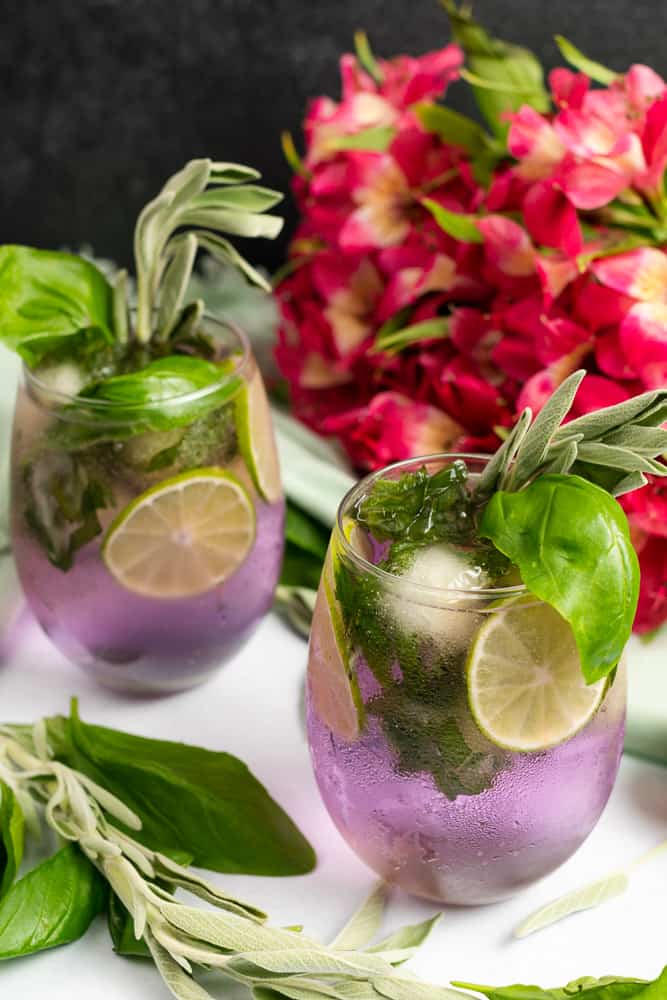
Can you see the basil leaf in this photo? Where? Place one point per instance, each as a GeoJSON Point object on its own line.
{"type": "Point", "coordinates": [165, 394]}
{"type": "Point", "coordinates": [11, 837]}
{"type": "Point", "coordinates": [608, 988]}
{"type": "Point", "coordinates": [53, 904]}
{"type": "Point", "coordinates": [505, 76]}
{"type": "Point", "coordinates": [571, 542]}
{"type": "Point", "coordinates": [121, 929]}
{"type": "Point", "coordinates": [204, 803]}
{"type": "Point", "coordinates": [52, 302]}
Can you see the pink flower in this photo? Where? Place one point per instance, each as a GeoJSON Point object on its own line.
{"type": "Point", "coordinates": [508, 246]}
{"type": "Point", "coordinates": [652, 607]}
{"type": "Point", "coordinates": [552, 219]}
{"type": "Point", "coordinates": [642, 275]}
{"type": "Point", "coordinates": [406, 80]}
{"type": "Point", "coordinates": [392, 427]}
{"type": "Point", "coordinates": [535, 142]}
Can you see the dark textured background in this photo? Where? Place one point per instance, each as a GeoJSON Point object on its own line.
{"type": "Point", "coordinates": [102, 99]}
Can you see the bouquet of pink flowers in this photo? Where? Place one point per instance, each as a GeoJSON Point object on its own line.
{"type": "Point", "coordinates": [444, 274]}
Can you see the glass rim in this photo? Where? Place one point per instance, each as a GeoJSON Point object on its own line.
{"type": "Point", "coordinates": [56, 397]}
{"type": "Point", "coordinates": [422, 590]}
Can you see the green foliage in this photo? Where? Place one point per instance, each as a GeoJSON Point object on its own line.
{"type": "Point", "coordinates": [503, 76]}
{"type": "Point", "coordinates": [607, 988]}
{"type": "Point", "coordinates": [52, 905]}
{"type": "Point", "coordinates": [52, 305]}
{"type": "Point", "coordinates": [393, 337]}
{"type": "Point", "coordinates": [121, 929]}
{"type": "Point", "coordinates": [12, 835]}
{"type": "Point", "coordinates": [192, 800]}
{"type": "Point", "coordinates": [419, 507]}
{"type": "Point", "coordinates": [571, 542]}
{"type": "Point", "coordinates": [596, 71]}
{"type": "Point", "coordinates": [456, 224]}
{"type": "Point", "coordinates": [375, 139]}
{"type": "Point", "coordinates": [306, 546]}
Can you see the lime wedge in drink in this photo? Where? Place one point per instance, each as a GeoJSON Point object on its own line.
{"type": "Point", "coordinates": [333, 686]}
{"type": "Point", "coordinates": [526, 690]}
{"type": "Point", "coordinates": [183, 536]}
{"type": "Point", "coordinates": [253, 427]}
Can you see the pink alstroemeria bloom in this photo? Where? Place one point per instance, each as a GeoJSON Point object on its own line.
{"type": "Point", "coordinates": [551, 218]}
{"type": "Point", "coordinates": [652, 607]}
{"type": "Point", "coordinates": [407, 80]}
{"type": "Point", "coordinates": [393, 427]}
{"type": "Point", "coordinates": [534, 141]}
{"type": "Point", "coordinates": [642, 275]}
{"type": "Point", "coordinates": [350, 291]}
{"type": "Point", "coordinates": [508, 246]}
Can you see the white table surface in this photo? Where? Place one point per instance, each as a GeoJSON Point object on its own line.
{"type": "Point", "coordinates": [252, 709]}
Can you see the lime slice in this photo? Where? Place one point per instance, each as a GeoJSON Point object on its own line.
{"type": "Point", "coordinates": [333, 686]}
{"type": "Point", "coordinates": [183, 536]}
{"type": "Point", "coordinates": [255, 433]}
{"type": "Point", "coordinates": [526, 690]}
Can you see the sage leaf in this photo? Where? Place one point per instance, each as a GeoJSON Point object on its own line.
{"type": "Point", "coordinates": [296, 989]}
{"type": "Point", "coordinates": [232, 932]}
{"type": "Point", "coordinates": [614, 457]}
{"type": "Point", "coordinates": [318, 961]}
{"type": "Point", "coordinates": [52, 905]}
{"type": "Point", "coordinates": [572, 545]}
{"type": "Point", "coordinates": [224, 251]}
{"type": "Point", "coordinates": [412, 989]}
{"type": "Point", "coordinates": [49, 300]}
{"type": "Point", "coordinates": [12, 834]}
{"type": "Point", "coordinates": [232, 173]}
{"type": "Point", "coordinates": [595, 70]}
{"type": "Point", "coordinates": [585, 898]}
{"type": "Point", "coordinates": [179, 983]}
{"type": "Point", "coordinates": [649, 406]}
{"type": "Point", "coordinates": [175, 874]}
{"type": "Point", "coordinates": [650, 441]}
{"type": "Point", "coordinates": [188, 182]}
{"type": "Point", "coordinates": [498, 466]}
{"type": "Point", "coordinates": [237, 223]}
{"type": "Point", "coordinates": [461, 227]}
{"type": "Point", "coordinates": [407, 939]}
{"type": "Point", "coordinates": [629, 483]}
{"type": "Point", "coordinates": [203, 803]}
{"type": "Point", "coordinates": [561, 457]}
{"type": "Point", "coordinates": [175, 282]}
{"type": "Point", "coordinates": [241, 198]}
{"type": "Point", "coordinates": [535, 445]}
{"type": "Point", "coordinates": [363, 925]}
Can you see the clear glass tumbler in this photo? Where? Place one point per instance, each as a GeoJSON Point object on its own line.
{"type": "Point", "coordinates": [80, 467]}
{"type": "Point", "coordinates": [414, 785]}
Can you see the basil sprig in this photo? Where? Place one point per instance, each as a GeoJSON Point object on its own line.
{"type": "Point", "coordinates": [12, 834]}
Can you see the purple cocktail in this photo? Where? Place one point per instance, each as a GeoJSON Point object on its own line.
{"type": "Point", "coordinates": [80, 501]}
{"type": "Point", "coordinates": [410, 651]}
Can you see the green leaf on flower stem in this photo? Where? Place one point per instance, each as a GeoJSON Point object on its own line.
{"type": "Point", "coordinates": [572, 545]}
{"type": "Point", "coordinates": [507, 76]}
{"type": "Point", "coordinates": [11, 837]}
{"type": "Point", "coordinates": [391, 341]}
{"type": "Point", "coordinates": [576, 58]}
{"type": "Point", "coordinates": [375, 139]}
{"type": "Point", "coordinates": [364, 53]}
{"type": "Point", "coordinates": [452, 127]}
{"type": "Point", "coordinates": [457, 224]}
{"type": "Point", "coordinates": [52, 301]}
{"type": "Point", "coordinates": [197, 801]}
{"type": "Point", "coordinates": [52, 905]}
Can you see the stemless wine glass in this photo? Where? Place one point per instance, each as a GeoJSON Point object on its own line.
{"type": "Point", "coordinates": [407, 773]}
{"type": "Point", "coordinates": [104, 515]}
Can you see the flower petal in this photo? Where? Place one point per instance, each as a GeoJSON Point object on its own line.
{"type": "Point", "coordinates": [644, 342]}
{"type": "Point", "coordinates": [641, 273]}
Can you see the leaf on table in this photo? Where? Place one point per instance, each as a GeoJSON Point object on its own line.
{"type": "Point", "coordinates": [406, 940]}
{"type": "Point", "coordinates": [49, 299]}
{"type": "Point", "coordinates": [179, 983]}
{"type": "Point", "coordinates": [572, 545]}
{"type": "Point", "coordinates": [204, 803]}
{"type": "Point", "coordinates": [408, 989]}
{"type": "Point", "coordinates": [52, 905]}
{"type": "Point", "coordinates": [363, 925]}
{"type": "Point", "coordinates": [12, 835]}
{"type": "Point", "coordinates": [585, 898]}
{"type": "Point", "coordinates": [588, 988]}
{"type": "Point", "coordinates": [121, 929]}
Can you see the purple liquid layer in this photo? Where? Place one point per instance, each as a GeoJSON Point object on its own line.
{"type": "Point", "coordinates": [477, 848]}
{"type": "Point", "coordinates": [137, 643]}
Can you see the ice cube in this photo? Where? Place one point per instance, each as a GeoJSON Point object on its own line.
{"type": "Point", "coordinates": [437, 566]}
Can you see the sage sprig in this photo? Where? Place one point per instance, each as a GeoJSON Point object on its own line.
{"type": "Point", "coordinates": [194, 207]}
{"type": "Point", "coordinates": [615, 447]}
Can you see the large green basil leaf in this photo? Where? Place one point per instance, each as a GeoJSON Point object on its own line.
{"type": "Point", "coordinates": [607, 988]}
{"type": "Point", "coordinates": [206, 804]}
{"type": "Point", "coordinates": [171, 392]}
{"type": "Point", "coordinates": [11, 837]}
{"type": "Point", "coordinates": [571, 542]}
{"type": "Point", "coordinates": [52, 303]}
{"type": "Point", "coordinates": [51, 905]}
